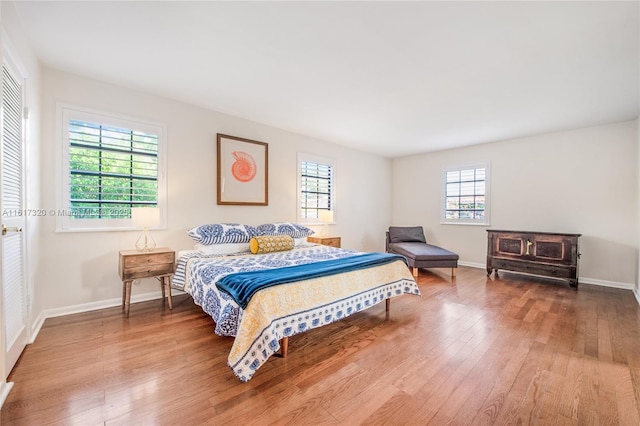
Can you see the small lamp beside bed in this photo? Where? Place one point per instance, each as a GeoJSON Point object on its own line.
{"type": "Point", "coordinates": [145, 218]}
{"type": "Point", "coordinates": [326, 217]}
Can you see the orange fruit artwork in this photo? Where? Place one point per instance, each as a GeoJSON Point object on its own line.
{"type": "Point", "coordinates": [244, 168]}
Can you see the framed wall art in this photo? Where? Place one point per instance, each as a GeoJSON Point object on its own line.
{"type": "Point", "coordinates": [242, 171]}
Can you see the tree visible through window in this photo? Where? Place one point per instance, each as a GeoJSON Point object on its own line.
{"type": "Point", "coordinates": [108, 165]}
{"type": "Point", "coordinates": [111, 170]}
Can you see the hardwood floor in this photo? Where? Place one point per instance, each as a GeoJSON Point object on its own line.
{"type": "Point", "coordinates": [471, 351]}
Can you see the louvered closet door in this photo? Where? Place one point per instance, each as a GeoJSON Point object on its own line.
{"type": "Point", "coordinates": [14, 298]}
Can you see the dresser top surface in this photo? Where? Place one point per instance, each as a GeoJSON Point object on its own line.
{"type": "Point", "coordinates": [511, 231]}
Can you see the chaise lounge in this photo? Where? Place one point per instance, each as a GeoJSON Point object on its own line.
{"type": "Point", "coordinates": [410, 242]}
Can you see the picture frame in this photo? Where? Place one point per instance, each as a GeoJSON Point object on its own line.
{"type": "Point", "coordinates": [243, 171]}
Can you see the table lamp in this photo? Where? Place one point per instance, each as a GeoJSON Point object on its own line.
{"type": "Point", "coordinates": [145, 218]}
{"type": "Point", "coordinates": [326, 216]}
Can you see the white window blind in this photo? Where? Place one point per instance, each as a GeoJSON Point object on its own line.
{"type": "Point", "coordinates": [466, 195]}
{"type": "Point", "coordinates": [111, 170]}
{"type": "Point", "coordinates": [109, 165]}
{"type": "Point", "coordinates": [315, 187]}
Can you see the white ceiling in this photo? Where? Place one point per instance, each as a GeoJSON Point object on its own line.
{"type": "Point", "coordinates": [392, 78]}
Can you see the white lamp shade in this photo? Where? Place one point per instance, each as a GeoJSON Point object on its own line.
{"type": "Point", "coordinates": [326, 216]}
{"type": "Point", "coordinates": [145, 217]}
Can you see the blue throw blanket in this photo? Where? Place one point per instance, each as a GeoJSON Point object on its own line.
{"type": "Point", "coordinates": [241, 286]}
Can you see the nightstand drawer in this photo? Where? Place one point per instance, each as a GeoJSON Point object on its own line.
{"type": "Point", "coordinates": [135, 264]}
{"type": "Point", "coordinates": [148, 259]}
{"type": "Point", "coordinates": [144, 271]}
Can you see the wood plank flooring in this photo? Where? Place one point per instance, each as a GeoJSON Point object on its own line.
{"type": "Point", "coordinates": [471, 351]}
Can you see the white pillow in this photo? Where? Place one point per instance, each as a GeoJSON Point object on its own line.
{"type": "Point", "coordinates": [299, 242]}
{"type": "Point", "coordinates": [222, 249]}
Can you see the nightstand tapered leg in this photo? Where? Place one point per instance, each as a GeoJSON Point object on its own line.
{"type": "Point", "coordinates": [168, 284]}
{"type": "Point", "coordinates": [127, 297]}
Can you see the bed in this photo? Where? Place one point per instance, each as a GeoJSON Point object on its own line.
{"type": "Point", "coordinates": [276, 312]}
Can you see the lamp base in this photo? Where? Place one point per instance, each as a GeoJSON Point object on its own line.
{"type": "Point", "coordinates": [145, 242]}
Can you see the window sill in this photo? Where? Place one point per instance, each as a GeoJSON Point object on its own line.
{"type": "Point", "coordinates": [466, 223]}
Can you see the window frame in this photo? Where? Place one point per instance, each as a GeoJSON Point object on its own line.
{"type": "Point", "coordinates": [486, 221]}
{"type": "Point", "coordinates": [65, 113]}
{"type": "Point", "coordinates": [311, 158]}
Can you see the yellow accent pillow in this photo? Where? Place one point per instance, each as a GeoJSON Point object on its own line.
{"type": "Point", "coordinates": [270, 243]}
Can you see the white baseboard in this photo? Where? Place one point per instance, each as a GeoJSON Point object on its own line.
{"type": "Point", "coordinates": [35, 327]}
{"type": "Point", "coordinates": [582, 280]}
{"type": "Point", "coordinates": [605, 283]}
{"type": "Point", "coordinates": [637, 295]}
{"type": "Point", "coordinates": [93, 306]}
{"type": "Point", "coordinates": [472, 264]}
{"type": "Point", "coordinates": [5, 387]}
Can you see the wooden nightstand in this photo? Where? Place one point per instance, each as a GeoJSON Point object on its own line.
{"type": "Point", "coordinates": [158, 263]}
{"type": "Point", "coordinates": [327, 241]}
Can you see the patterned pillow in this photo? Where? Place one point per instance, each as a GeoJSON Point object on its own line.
{"type": "Point", "coordinates": [222, 233]}
{"type": "Point", "coordinates": [293, 230]}
{"type": "Point", "coordinates": [270, 243]}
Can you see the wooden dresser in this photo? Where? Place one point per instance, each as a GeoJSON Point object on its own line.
{"type": "Point", "coordinates": [539, 253]}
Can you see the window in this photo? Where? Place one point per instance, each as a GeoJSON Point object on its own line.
{"type": "Point", "coordinates": [109, 165]}
{"type": "Point", "coordinates": [315, 188]}
{"type": "Point", "coordinates": [466, 195]}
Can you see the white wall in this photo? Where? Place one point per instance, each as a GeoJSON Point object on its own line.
{"type": "Point", "coordinates": [82, 268]}
{"type": "Point", "coordinates": [581, 181]}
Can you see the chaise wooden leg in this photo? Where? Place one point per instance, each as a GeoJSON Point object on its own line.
{"type": "Point", "coordinates": [453, 272]}
{"type": "Point", "coordinates": [415, 271]}
{"type": "Point", "coordinates": [284, 347]}
{"type": "Point", "coordinates": [387, 308]}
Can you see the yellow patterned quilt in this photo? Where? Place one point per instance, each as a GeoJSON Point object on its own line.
{"type": "Point", "coordinates": [288, 309]}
